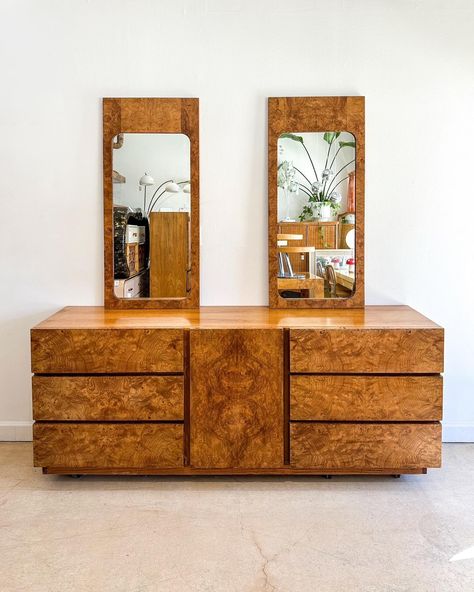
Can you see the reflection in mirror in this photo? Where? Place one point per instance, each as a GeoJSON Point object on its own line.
{"type": "Point", "coordinates": [151, 196]}
{"type": "Point", "coordinates": [316, 215]}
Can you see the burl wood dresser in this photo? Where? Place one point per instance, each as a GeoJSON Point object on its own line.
{"type": "Point", "coordinates": [237, 391]}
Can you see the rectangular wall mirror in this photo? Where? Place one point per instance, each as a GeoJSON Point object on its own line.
{"type": "Point", "coordinates": [316, 202]}
{"type": "Point", "coordinates": [151, 214]}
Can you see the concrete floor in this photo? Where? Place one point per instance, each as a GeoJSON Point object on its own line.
{"type": "Point", "coordinates": [149, 534]}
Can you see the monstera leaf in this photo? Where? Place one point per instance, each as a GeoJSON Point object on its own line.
{"type": "Point", "coordinates": [293, 137]}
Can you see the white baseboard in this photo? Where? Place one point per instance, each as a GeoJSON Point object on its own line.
{"type": "Point", "coordinates": [16, 431]}
{"type": "Point", "coordinates": [457, 431]}
{"type": "Point", "coordinates": [21, 431]}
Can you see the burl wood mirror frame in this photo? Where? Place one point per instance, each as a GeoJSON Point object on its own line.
{"type": "Point", "coordinates": [150, 115]}
{"type": "Point", "coordinates": [315, 114]}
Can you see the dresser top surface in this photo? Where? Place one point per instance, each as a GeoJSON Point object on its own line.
{"type": "Point", "coordinates": [243, 317]}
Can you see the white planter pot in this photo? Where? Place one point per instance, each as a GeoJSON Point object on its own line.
{"type": "Point", "coordinates": [323, 212]}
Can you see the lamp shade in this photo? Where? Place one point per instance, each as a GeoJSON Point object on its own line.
{"type": "Point", "coordinates": [172, 187]}
{"type": "Point", "coordinates": [187, 188]}
{"type": "Point", "coordinates": [146, 180]}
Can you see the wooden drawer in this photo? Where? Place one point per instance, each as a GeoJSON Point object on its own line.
{"type": "Point", "coordinates": [368, 446]}
{"type": "Point", "coordinates": [367, 351]}
{"type": "Point", "coordinates": [107, 398]}
{"type": "Point", "coordinates": [108, 445]}
{"type": "Point", "coordinates": [366, 398]}
{"type": "Point", "coordinates": [95, 351]}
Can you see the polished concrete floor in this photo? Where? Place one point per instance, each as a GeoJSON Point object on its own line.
{"type": "Point", "coordinates": [150, 534]}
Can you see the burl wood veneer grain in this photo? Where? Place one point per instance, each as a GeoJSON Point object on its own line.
{"type": "Point", "coordinates": [238, 317]}
{"type": "Point", "coordinates": [108, 445]}
{"type": "Point", "coordinates": [366, 398]}
{"type": "Point", "coordinates": [396, 351]}
{"type": "Point", "coordinates": [108, 398]}
{"type": "Point", "coordinates": [236, 398]}
{"type": "Point", "coordinates": [150, 115]}
{"type": "Point", "coordinates": [315, 114]}
{"type": "Point", "coordinates": [365, 445]}
{"type": "Point", "coordinates": [76, 351]}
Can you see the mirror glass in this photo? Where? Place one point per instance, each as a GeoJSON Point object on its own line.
{"type": "Point", "coordinates": [316, 215]}
{"type": "Point", "coordinates": [152, 215]}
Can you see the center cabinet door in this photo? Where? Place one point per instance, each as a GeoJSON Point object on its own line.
{"type": "Point", "coordinates": [236, 398]}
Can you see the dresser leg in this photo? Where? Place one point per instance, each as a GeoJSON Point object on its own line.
{"type": "Point", "coordinates": [396, 476]}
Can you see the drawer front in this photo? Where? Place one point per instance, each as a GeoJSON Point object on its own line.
{"type": "Point", "coordinates": [368, 446]}
{"type": "Point", "coordinates": [95, 351]}
{"type": "Point", "coordinates": [107, 398]}
{"type": "Point", "coordinates": [108, 445]}
{"type": "Point", "coordinates": [367, 351]}
{"type": "Point", "coordinates": [366, 398]}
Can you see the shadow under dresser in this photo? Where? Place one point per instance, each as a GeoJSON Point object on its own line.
{"type": "Point", "coordinates": [237, 390]}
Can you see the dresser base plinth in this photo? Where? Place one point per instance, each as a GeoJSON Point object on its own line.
{"type": "Point", "coordinates": [189, 472]}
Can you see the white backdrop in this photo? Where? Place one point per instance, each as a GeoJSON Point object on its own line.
{"type": "Point", "coordinates": [165, 157]}
{"type": "Point", "coordinates": [412, 59]}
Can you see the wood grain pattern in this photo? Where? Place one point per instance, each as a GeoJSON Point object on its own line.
{"type": "Point", "coordinates": [238, 317]}
{"type": "Point", "coordinates": [169, 254]}
{"type": "Point", "coordinates": [315, 114]}
{"type": "Point", "coordinates": [317, 234]}
{"type": "Point", "coordinates": [78, 351]}
{"type": "Point", "coordinates": [237, 398]}
{"type": "Point", "coordinates": [346, 446]}
{"type": "Point", "coordinates": [311, 284]}
{"type": "Point", "coordinates": [290, 237]}
{"type": "Point", "coordinates": [108, 445]}
{"type": "Point", "coordinates": [108, 398]}
{"type": "Point", "coordinates": [150, 115]}
{"type": "Point", "coordinates": [344, 279]}
{"type": "Point", "coordinates": [323, 235]}
{"type": "Point", "coordinates": [296, 250]}
{"type": "Point", "coordinates": [286, 396]}
{"type": "Point", "coordinates": [237, 413]}
{"type": "Point", "coordinates": [366, 398]}
{"type": "Point", "coordinates": [398, 351]}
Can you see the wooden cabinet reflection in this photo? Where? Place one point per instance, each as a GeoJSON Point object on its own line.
{"type": "Point", "coordinates": [170, 260]}
{"type": "Point", "coordinates": [320, 235]}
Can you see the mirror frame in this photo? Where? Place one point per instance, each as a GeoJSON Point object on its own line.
{"type": "Point", "coordinates": [150, 115]}
{"type": "Point", "coordinates": [315, 114]}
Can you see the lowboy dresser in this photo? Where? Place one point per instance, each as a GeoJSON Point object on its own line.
{"type": "Point", "coordinates": [245, 390]}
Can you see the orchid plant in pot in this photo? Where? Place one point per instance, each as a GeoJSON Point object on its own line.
{"type": "Point", "coordinates": [324, 201]}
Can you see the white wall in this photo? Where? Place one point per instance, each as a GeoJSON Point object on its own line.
{"type": "Point", "coordinates": [164, 157]}
{"type": "Point", "coordinates": [412, 59]}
